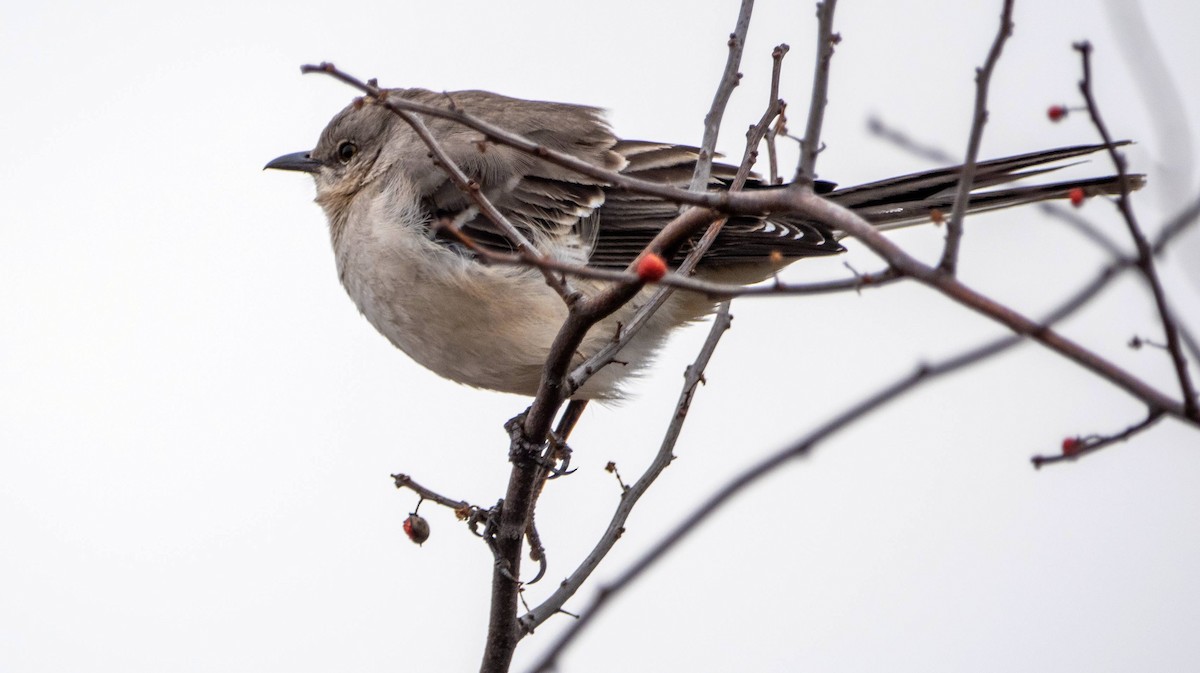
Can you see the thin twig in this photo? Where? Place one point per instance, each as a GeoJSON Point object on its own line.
{"type": "Point", "coordinates": [693, 376]}
{"type": "Point", "coordinates": [983, 77]}
{"type": "Point", "coordinates": [810, 146]}
{"type": "Point", "coordinates": [1145, 252]}
{"type": "Point", "coordinates": [780, 126]}
{"type": "Point", "coordinates": [1078, 447]}
{"type": "Point", "coordinates": [405, 481]}
{"type": "Point", "coordinates": [729, 81]}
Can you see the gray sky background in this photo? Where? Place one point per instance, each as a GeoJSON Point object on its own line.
{"type": "Point", "coordinates": [196, 427]}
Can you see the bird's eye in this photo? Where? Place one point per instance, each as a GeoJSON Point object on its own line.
{"type": "Point", "coordinates": [346, 151]}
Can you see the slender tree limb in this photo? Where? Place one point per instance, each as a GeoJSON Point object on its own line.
{"type": "Point", "coordinates": [780, 125]}
{"type": "Point", "coordinates": [1145, 252]}
{"type": "Point", "coordinates": [810, 147]}
{"type": "Point", "coordinates": [1075, 448]}
{"type": "Point", "coordinates": [983, 78]}
{"type": "Point", "coordinates": [729, 81]}
{"type": "Point", "coordinates": [631, 494]}
{"type": "Point", "coordinates": [405, 481]}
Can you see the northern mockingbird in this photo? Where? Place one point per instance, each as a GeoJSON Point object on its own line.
{"type": "Point", "coordinates": [491, 326]}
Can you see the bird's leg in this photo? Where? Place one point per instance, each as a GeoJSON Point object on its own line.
{"type": "Point", "coordinates": [561, 452]}
{"type": "Point", "coordinates": [555, 461]}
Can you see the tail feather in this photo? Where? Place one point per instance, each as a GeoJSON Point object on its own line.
{"type": "Point", "coordinates": [987, 174]}
{"type": "Point", "coordinates": [911, 199]}
{"type": "Point", "coordinates": [905, 213]}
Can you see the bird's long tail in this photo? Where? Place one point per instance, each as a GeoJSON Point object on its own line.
{"type": "Point", "coordinates": [911, 199]}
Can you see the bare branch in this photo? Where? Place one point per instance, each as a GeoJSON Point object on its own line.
{"type": "Point", "coordinates": [631, 494]}
{"type": "Point", "coordinates": [729, 81]}
{"type": "Point", "coordinates": [780, 125]}
{"type": "Point", "coordinates": [405, 481]}
{"type": "Point", "coordinates": [983, 77]}
{"type": "Point", "coordinates": [1075, 448]}
{"type": "Point", "coordinates": [810, 147]}
{"type": "Point", "coordinates": [1144, 251]}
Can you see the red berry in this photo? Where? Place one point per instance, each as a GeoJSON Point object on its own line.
{"type": "Point", "coordinates": [1056, 113]}
{"type": "Point", "coordinates": [651, 267]}
{"type": "Point", "coordinates": [1076, 195]}
{"type": "Point", "coordinates": [416, 528]}
{"type": "Point", "coordinates": [1071, 445]}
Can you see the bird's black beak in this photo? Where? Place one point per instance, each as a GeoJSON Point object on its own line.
{"type": "Point", "coordinates": [296, 161]}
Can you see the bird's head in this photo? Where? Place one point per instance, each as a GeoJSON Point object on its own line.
{"type": "Point", "coordinates": [347, 156]}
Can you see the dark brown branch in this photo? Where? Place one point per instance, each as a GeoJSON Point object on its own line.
{"type": "Point", "coordinates": [1075, 448]}
{"type": "Point", "coordinates": [729, 81]}
{"type": "Point", "coordinates": [631, 494]}
{"type": "Point", "coordinates": [983, 78]}
{"type": "Point", "coordinates": [810, 146]}
{"type": "Point", "coordinates": [780, 126]}
{"type": "Point", "coordinates": [1145, 254]}
{"type": "Point", "coordinates": [405, 481]}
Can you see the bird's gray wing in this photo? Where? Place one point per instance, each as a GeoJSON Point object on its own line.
{"type": "Point", "coordinates": [545, 202]}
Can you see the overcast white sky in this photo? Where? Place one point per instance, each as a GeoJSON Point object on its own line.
{"type": "Point", "coordinates": [196, 427]}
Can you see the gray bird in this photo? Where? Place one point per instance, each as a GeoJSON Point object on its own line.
{"type": "Point", "coordinates": [491, 326]}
